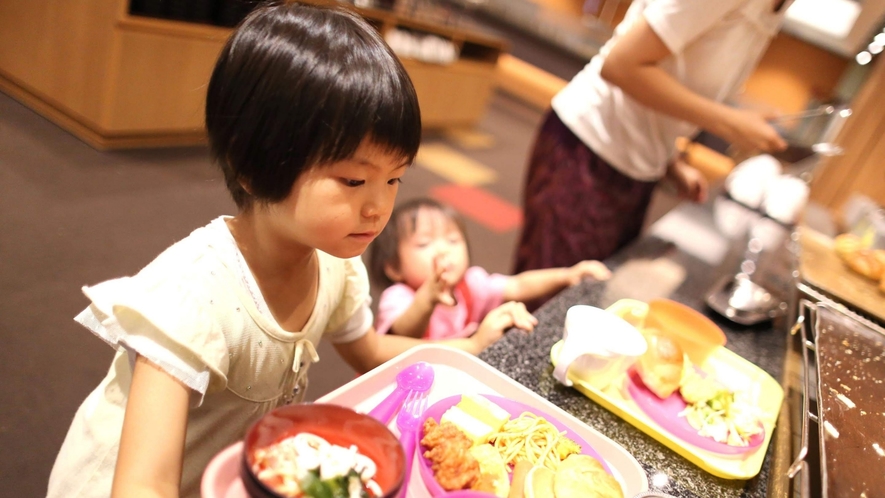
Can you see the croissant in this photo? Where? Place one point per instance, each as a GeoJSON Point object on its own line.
{"type": "Point", "coordinates": [867, 262]}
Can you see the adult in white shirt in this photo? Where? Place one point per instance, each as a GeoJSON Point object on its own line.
{"type": "Point", "coordinates": [610, 136]}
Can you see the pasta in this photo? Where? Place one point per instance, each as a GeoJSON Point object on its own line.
{"type": "Point", "coordinates": [532, 438]}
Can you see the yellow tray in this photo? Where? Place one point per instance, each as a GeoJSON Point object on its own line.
{"type": "Point", "coordinates": [731, 369]}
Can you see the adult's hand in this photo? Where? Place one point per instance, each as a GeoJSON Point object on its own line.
{"type": "Point", "coordinates": [690, 183]}
{"type": "Point", "coordinates": [750, 130]}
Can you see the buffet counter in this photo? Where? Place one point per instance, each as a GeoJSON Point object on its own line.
{"type": "Point", "coordinates": [681, 258]}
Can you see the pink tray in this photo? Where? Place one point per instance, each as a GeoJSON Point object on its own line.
{"type": "Point", "coordinates": [456, 373]}
{"type": "Point", "coordinates": [666, 413]}
{"type": "Point", "coordinates": [515, 409]}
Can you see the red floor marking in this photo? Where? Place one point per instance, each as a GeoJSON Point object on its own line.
{"type": "Point", "coordinates": [481, 206]}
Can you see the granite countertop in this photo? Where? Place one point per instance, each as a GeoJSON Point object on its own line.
{"type": "Point", "coordinates": [672, 244]}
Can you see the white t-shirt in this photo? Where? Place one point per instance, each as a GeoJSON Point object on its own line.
{"type": "Point", "coordinates": [714, 45]}
{"type": "Point", "coordinates": [197, 312]}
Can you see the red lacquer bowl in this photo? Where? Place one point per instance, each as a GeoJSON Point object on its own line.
{"type": "Point", "coordinates": [337, 425]}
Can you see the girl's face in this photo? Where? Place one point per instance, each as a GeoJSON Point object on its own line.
{"type": "Point", "coordinates": [339, 208]}
{"type": "Point", "coordinates": [436, 236]}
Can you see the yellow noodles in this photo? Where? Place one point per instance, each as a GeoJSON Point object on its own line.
{"type": "Point", "coordinates": [528, 437]}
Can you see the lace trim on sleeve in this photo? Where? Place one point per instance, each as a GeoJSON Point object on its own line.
{"type": "Point", "coordinates": [107, 329]}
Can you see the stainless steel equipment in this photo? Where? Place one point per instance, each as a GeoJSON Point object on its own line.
{"type": "Point", "coordinates": [743, 301]}
{"type": "Point", "coordinates": [841, 447]}
{"type": "Point", "coordinates": [742, 298]}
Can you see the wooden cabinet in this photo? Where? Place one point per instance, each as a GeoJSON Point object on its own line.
{"type": "Point", "coordinates": [117, 80]}
{"type": "Point", "coordinates": [454, 94]}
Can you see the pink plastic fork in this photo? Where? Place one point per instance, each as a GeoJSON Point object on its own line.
{"type": "Point", "coordinates": [409, 424]}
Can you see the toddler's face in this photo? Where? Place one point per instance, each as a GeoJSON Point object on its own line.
{"type": "Point", "coordinates": [341, 207]}
{"type": "Point", "coordinates": [435, 236]}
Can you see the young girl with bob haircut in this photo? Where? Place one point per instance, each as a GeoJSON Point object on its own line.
{"type": "Point", "coordinates": [313, 121]}
{"type": "Point", "coordinates": [433, 292]}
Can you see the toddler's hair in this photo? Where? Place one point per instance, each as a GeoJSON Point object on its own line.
{"type": "Point", "coordinates": [298, 86]}
{"type": "Point", "coordinates": [403, 221]}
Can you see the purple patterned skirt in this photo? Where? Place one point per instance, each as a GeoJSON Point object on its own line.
{"type": "Point", "coordinates": [576, 206]}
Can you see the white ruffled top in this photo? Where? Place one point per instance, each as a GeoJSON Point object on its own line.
{"type": "Point", "coordinates": [197, 312]}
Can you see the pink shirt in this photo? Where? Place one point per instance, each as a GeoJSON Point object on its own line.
{"type": "Point", "coordinates": [447, 322]}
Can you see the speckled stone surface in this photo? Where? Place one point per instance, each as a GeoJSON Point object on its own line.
{"type": "Point", "coordinates": [526, 358]}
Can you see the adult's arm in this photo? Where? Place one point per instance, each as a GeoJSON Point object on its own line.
{"type": "Point", "coordinates": [633, 65]}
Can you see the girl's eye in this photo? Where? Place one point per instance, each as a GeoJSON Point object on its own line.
{"type": "Point", "coordinates": [395, 181]}
{"type": "Point", "coordinates": [352, 183]}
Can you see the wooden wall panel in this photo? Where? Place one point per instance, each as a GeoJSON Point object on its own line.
{"type": "Point", "coordinates": [862, 168]}
{"type": "Point", "coordinates": [791, 73]}
{"type": "Point", "coordinates": [59, 50]}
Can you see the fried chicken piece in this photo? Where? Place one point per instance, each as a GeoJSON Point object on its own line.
{"type": "Point", "coordinates": [448, 449]}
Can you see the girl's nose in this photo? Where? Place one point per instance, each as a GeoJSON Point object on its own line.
{"type": "Point", "coordinates": [370, 209]}
{"type": "Point", "coordinates": [379, 204]}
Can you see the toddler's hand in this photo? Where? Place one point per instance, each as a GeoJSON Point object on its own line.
{"type": "Point", "coordinates": [438, 288]}
{"type": "Point", "coordinates": [588, 269]}
{"type": "Point", "coordinates": [512, 314]}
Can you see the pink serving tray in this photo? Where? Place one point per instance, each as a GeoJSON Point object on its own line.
{"type": "Point", "coordinates": [457, 373]}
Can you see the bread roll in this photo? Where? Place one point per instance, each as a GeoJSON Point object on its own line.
{"type": "Point", "coordinates": [660, 368]}
{"type": "Point", "coordinates": [582, 476]}
{"type": "Point", "coordinates": [539, 483]}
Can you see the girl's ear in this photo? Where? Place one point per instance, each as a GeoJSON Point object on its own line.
{"type": "Point", "coordinates": [245, 185]}
{"type": "Point", "coordinates": [393, 273]}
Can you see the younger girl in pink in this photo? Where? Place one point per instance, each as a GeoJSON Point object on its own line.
{"type": "Point", "coordinates": [433, 292]}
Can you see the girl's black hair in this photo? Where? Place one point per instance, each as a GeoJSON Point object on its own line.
{"type": "Point", "coordinates": [403, 220]}
{"type": "Point", "coordinates": [298, 86]}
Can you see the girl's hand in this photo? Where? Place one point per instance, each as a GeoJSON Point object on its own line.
{"type": "Point", "coordinates": [511, 314]}
{"type": "Point", "coordinates": [588, 269]}
{"type": "Point", "coordinates": [751, 131]}
{"type": "Point", "coordinates": [438, 288]}
{"type": "Point", "coordinates": [689, 182]}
